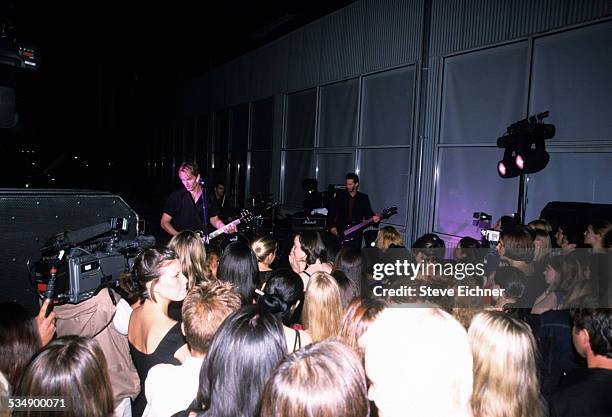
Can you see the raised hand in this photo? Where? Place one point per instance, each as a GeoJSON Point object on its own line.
{"type": "Point", "coordinates": [46, 325]}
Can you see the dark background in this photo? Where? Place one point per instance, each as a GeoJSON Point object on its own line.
{"type": "Point", "coordinates": [84, 114]}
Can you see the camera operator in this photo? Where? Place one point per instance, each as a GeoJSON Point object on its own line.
{"type": "Point", "coordinates": [94, 318]}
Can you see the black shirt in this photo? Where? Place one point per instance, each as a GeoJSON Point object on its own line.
{"type": "Point", "coordinates": [221, 206]}
{"type": "Point", "coordinates": [347, 211]}
{"type": "Point", "coordinates": [588, 394]}
{"type": "Point", "coordinates": [163, 353]}
{"type": "Point", "coordinates": [187, 214]}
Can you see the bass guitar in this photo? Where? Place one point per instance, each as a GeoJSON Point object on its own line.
{"type": "Point", "coordinates": [349, 235]}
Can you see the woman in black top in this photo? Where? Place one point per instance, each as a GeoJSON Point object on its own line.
{"type": "Point", "coordinates": [153, 336]}
{"type": "Point", "coordinates": [265, 251]}
{"type": "Point", "coordinates": [281, 295]}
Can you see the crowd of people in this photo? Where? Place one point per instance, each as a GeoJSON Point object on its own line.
{"type": "Point", "coordinates": [198, 331]}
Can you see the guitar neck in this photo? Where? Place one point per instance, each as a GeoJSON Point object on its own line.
{"type": "Point", "coordinates": [223, 229]}
{"type": "Point", "coordinates": [358, 226]}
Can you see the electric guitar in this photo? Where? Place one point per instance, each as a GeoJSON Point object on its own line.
{"type": "Point", "coordinates": [245, 217]}
{"type": "Point", "coordinates": [350, 234]}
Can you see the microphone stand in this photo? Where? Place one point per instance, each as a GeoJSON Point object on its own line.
{"type": "Point", "coordinates": [205, 229]}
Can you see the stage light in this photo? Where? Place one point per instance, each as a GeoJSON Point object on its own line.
{"type": "Point", "coordinates": [536, 158]}
{"type": "Point", "coordinates": [520, 163]}
{"type": "Point", "coordinates": [524, 147]}
{"type": "Point", "coordinates": [506, 168]}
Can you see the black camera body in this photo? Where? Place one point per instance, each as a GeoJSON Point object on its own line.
{"type": "Point", "coordinates": [77, 271]}
{"type": "Point", "coordinates": [80, 275]}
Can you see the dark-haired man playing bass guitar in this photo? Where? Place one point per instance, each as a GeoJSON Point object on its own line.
{"type": "Point", "coordinates": [349, 208]}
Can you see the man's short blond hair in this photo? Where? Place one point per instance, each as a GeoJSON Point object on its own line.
{"type": "Point", "coordinates": [204, 309]}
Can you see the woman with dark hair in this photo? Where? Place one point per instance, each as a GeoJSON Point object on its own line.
{"type": "Point", "coordinates": [568, 237]}
{"type": "Point", "coordinates": [281, 294]}
{"type": "Point", "coordinates": [607, 240]}
{"type": "Point", "coordinates": [325, 379]}
{"type": "Point", "coordinates": [19, 341]}
{"type": "Point", "coordinates": [595, 233]}
{"type": "Point", "coordinates": [562, 273]}
{"type": "Point", "coordinates": [238, 266]}
{"type": "Point", "coordinates": [242, 355]}
{"type": "Point", "coordinates": [350, 261]}
{"type": "Point", "coordinates": [516, 248]}
{"type": "Point", "coordinates": [467, 250]}
{"type": "Point", "coordinates": [505, 223]}
{"type": "Point", "coordinates": [4, 396]}
{"type": "Point", "coordinates": [347, 288]}
{"type": "Point", "coordinates": [73, 369]}
{"type": "Point", "coordinates": [152, 335]}
{"type": "Point", "coordinates": [309, 255]}
{"type": "Point", "coordinates": [512, 281]}
{"type": "Point", "coordinates": [428, 248]}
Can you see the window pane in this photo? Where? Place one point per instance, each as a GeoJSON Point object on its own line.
{"type": "Point", "coordinates": [571, 78]}
{"type": "Point", "coordinates": [338, 119]}
{"type": "Point", "coordinates": [263, 124]}
{"type": "Point", "coordinates": [301, 111]}
{"type": "Point", "coordinates": [219, 165]}
{"type": "Point", "coordinates": [237, 180]}
{"type": "Point", "coordinates": [483, 93]}
{"type": "Point", "coordinates": [298, 166]}
{"type": "Point", "coordinates": [261, 172]}
{"type": "Point", "coordinates": [387, 107]}
{"type": "Point", "coordinates": [201, 142]}
{"type": "Point", "coordinates": [332, 168]}
{"type": "Point", "coordinates": [584, 177]}
{"type": "Point", "coordinates": [240, 127]}
{"type": "Point", "coordinates": [467, 183]}
{"type": "Point", "coordinates": [384, 175]}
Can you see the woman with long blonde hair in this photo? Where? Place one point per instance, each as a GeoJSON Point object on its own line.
{"type": "Point", "coordinates": [505, 375]}
{"type": "Point", "coordinates": [191, 253]}
{"type": "Point", "coordinates": [322, 307]}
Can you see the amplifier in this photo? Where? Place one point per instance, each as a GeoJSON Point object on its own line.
{"type": "Point", "coordinates": [299, 224]}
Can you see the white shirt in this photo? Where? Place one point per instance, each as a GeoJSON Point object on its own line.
{"type": "Point", "coordinates": [121, 320]}
{"type": "Point", "coordinates": [171, 388]}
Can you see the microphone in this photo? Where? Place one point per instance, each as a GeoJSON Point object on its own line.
{"type": "Point", "coordinates": [50, 293]}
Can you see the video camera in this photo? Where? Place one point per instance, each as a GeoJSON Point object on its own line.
{"type": "Point", "coordinates": [95, 257]}
{"type": "Point", "coordinates": [483, 220]}
{"type": "Point", "coordinates": [490, 235]}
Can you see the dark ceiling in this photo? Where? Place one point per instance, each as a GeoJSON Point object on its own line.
{"type": "Point", "coordinates": [104, 65]}
{"type": "Point", "coordinates": [179, 39]}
